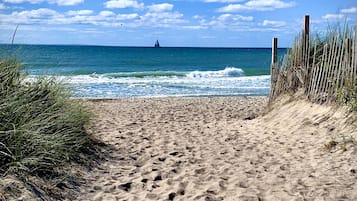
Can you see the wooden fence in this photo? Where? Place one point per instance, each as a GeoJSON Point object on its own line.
{"type": "Point", "coordinates": [320, 66]}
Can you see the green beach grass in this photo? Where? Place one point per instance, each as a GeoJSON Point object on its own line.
{"type": "Point", "coordinates": [41, 129]}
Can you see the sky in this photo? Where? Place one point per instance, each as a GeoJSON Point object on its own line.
{"type": "Point", "coordinates": [177, 23]}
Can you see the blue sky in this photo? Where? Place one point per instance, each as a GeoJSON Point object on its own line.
{"type": "Point", "coordinates": [198, 23]}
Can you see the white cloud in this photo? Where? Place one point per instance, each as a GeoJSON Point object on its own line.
{"type": "Point", "coordinates": [127, 16]}
{"type": "Point", "coordinates": [226, 17]}
{"type": "Point", "coordinates": [163, 19]}
{"type": "Point", "coordinates": [106, 13]}
{"type": "Point", "coordinates": [266, 4]}
{"type": "Point", "coordinates": [80, 12]}
{"type": "Point", "coordinates": [242, 23]}
{"type": "Point", "coordinates": [39, 13]}
{"type": "Point", "coordinates": [194, 27]}
{"type": "Point", "coordinates": [333, 17]}
{"type": "Point", "coordinates": [257, 5]}
{"type": "Point", "coordinates": [232, 8]}
{"type": "Point", "coordinates": [274, 23]}
{"type": "Point", "coordinates": [161, 7]}
{"type": "Point", "coordinates": [66, 2]}
{"type": "Point", "coordinates": [352, 10]}
{"type": "Point", "coordinates": [228, 21]}
{"type": "Point", "coordinates": [104, 18]}
{"type": "Point", "coordinates": [22, 1]}
{"type": "Point", "coordinates": [123, 4]}
{"type": "Point", "coordinates": [51, 17]}
{"type": "Point", "coordinates": [45, 16]}
{"type": "Point", "coordinates": [58, 2]}
{"type": "Point", "coordinates": [197, 17]}
{"type": "Point", "coordinates": [39, 16]}
{"type": "Point", "coordinates": [222, 1]}
{"type": "Point", "coordinates": [2, 6]}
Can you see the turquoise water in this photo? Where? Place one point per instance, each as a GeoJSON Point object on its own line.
{"type": "Point", "coordinates": [101, 71]}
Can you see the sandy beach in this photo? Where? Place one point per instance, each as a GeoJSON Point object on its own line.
{"type": "Point", "coordinates": [221, 148]}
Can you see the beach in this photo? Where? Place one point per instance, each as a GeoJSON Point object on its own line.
{"type": "Point", "coordinates": [128, 100]}
{"type": "Point", "coordinates": [221, 148]}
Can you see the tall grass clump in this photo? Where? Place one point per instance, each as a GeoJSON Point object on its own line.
{"type": "Point", "coordinates": [41, 129]}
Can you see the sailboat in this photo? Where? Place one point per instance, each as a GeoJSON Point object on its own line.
{"type": "Point", "coordinates": [157, 44]}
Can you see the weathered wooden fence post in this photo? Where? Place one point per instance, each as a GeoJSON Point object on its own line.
{"type": "Point", "coordinates": [274, 53]}
{"type": "Point", "coordinates": [306, 53]}
{"type": "Point", "coordinates": [354, 55]}
{"type": "Point", "coordinates": [273, 67]}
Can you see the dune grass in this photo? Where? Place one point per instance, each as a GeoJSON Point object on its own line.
{"type": "Point", "coordinates": [324, 67]}
{"type": "Point", "coordinates": [41, 129]}
{"type": "Point", "coordinates": [337, 37]}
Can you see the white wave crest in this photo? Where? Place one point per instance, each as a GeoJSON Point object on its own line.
{"type": "Point", "coordinates": [227, 72]}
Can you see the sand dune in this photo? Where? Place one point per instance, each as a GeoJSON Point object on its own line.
{"type": "Point", "coordinates": [215, 149]}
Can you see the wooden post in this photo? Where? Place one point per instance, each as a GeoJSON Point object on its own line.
{"type": "Point", "coordinates": [348, 70]}
{"type": "Point", "coordinates": [274, 60]}
{"type": "Point", "coordinates": [318, 84]}
{"type": "Point", "coordinates": [306, 52]}
{"type": "Point", "coordinates": [354, 57]}
{"type": "Point", "coordinates": [306, 25]}
{"type": "Point", "coordinates": [306, 36]}
{"type": "Point", "coordinates": [313, 72]}
{"type": "Point", "coordinates": [331, 67]}
{"type": "Point", "coordinates": [274, 49]}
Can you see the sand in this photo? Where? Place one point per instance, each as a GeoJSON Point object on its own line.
{"type": "Point", "coordinates": [215, 148]}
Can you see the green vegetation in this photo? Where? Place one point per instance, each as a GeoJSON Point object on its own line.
{"type": "Point", "coordinates": [41, 129]}
{"type": "Point", "coordinates": [347, 95]}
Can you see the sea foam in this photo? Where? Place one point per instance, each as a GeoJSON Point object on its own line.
{"type": "Point", "coordinates": [229, 81]}
{"type": "Point", "coordinates": [227, 72]}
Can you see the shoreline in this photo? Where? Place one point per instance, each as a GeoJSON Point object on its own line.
{"type": "Point", "coordinates": [166, 97]}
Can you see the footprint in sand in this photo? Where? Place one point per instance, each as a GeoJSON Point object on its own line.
{"type": "Point", "coordinates": [125, 187]}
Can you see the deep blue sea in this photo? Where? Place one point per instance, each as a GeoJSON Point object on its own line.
{"type": "Point", "coordinates": [108, 72]}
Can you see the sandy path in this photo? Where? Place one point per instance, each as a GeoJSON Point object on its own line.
{"type": "Point", "coordinates": [208, 149]}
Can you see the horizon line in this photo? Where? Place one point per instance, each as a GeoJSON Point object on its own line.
{"type": "Point", "coordinates": [134, 46]}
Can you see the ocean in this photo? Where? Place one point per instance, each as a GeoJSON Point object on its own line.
{"type": "Point", "coordinates": [111, 72]}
